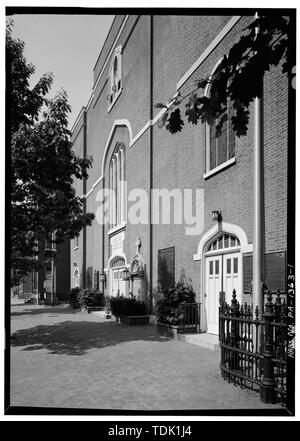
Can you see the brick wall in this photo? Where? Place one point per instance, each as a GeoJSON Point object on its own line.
{"type": "Point", "coordinates": [63, 267]}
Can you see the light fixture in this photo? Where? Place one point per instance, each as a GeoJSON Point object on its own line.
{"type": "Point", "coordinates": [216, 215]}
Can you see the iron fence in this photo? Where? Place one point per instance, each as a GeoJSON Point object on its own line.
{"type": "Point", "coordinates": [189, 318]}
{"type": "Point", "coordinates": [254, 351]}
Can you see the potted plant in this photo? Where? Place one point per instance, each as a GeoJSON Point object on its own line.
{"type": "Point", "coordinates": [75, 298]}
{"type": "Point", "coordinates": [92, 300]}
{"type": "Point", "coordinates": [129, 310]}
{"type": "Point", "coordinates": [170, 308]}
{"type": "Point", "coordinates": [115, 306]}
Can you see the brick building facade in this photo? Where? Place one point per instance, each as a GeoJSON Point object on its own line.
{"type": "Point", "coordinates": [146, 60]}
{"type": "Point", "coordinates": [40, 282]}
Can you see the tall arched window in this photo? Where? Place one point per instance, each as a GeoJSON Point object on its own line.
{"type": "Point", "coordinates": [115, 78]}
{"type": "Point", "coordinates": [117, 177]}
{"type": "Point", "coordinates": [220, 144]}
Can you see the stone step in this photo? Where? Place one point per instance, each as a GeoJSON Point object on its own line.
{"type": "Point", "coordinates": [205, 340]}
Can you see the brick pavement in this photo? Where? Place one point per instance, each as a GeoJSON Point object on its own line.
{"type": "Point", "coordinates": [61, 358]}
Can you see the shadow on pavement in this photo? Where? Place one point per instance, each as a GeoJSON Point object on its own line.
{"type": "Point", "coordinates": [76, 338]}
{"type": "Point", "coordinates": [45, 310]}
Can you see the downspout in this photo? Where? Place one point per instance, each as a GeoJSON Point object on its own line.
{"type": "Point", "coordinates": [258, 234]}
{"type": "Point", "coordinates": [84, 204]}
{"type": "Point", "coordinates": [103, 244]}
{"type": "Point", "coordinates": [151, 170]}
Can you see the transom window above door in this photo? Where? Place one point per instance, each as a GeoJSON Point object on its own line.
{"type": "Point", "coordinates": [224, 242]}
{"type": "Point", "coordinates": [117, 262]}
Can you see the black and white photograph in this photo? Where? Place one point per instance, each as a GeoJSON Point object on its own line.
{"type": "Point", "coordinates": [150, 213]}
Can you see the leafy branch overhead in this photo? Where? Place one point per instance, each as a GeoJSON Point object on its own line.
{"type": "Point", "coordinates": [43, 165]}
{"type": "Point", "coordinates": [237, 80]}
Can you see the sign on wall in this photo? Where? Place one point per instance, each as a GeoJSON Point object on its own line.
{"type": "Point", "coordinates": [166, 268]}
{"type": "Point", "coordinates": [116, 243]}
{"type": "Point", "coordinates": [275, 271]}
{"type": "Point", "coordinates": [89, 277]}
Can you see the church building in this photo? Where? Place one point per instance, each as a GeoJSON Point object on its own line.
{"type": "Point", "coordinates": [168, 205]}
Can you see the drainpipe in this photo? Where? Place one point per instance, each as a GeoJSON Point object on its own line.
{"type": "Point", "coordinates": [52, 273]}
{"type": "Point", "coordinates": [151, 170]}
{"type": "Point", "coordinates": [84, 204]}
{"type": "Point", "coordinates": [103, 243]}
{"type": "Point", "coordinates": [258, 236]}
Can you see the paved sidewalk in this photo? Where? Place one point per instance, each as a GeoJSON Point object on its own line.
{"type": "Point", "coordinates": [61, 358]}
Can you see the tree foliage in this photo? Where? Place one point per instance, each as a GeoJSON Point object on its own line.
{"type": "Point", "coordinates": [238, 79]}
{"type": "Point", "coordinates": [43, 165]}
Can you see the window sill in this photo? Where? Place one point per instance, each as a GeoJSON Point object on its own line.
{"type": "Point", "coordinates": [111, 105]}
{"type": "Point", "coordinates": [116, 229]}
{"type": "Point", "coordinates": [220, 167]}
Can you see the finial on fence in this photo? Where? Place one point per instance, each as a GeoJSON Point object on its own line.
{"type": "Point", "coordinates": [250, 311]}
{"type": "Point", "coordinates": [269, 305]}
{"type": "Point", "coordinates": [269, 296]}
{"type": "Point", "coordinates": [234, 302]}
{"type": "Point", "coordinates": [242, 310]}
{"type": "Point", "coordinates": [278, 306]}
{"type": "Point", "coordinates": [278, 297]}
{"type": "Point", "coordinates": [283, 312]}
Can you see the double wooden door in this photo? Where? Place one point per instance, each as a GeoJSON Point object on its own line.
{"type": "Point", "coordinates": [222, 273]}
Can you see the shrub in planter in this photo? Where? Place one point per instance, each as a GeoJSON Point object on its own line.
{"type": "Point", "coordinates": [92, 297]}
{"type": "Point", "coordinates": [169, 307]}
{"type": "Point", "coordinates": [115, 305]}
{"type": "Point", "coordinates": [121, 305]}
{"type": "Point", "coordinates": [75, 297]}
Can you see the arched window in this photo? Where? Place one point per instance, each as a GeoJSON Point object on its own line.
{"type": "Point", "coordinates": [115, 78]}
{"type": "Point", "coordinates": [223, 242]}
{"type": "Point", "coordinates": [220, 143]}
{"type": "Point", "coordinates": [117, 177]}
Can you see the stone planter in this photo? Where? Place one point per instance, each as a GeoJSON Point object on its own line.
{"type": "Point", "coordinates": [167, 330]}
{"type": "Point", "coordinates": [133, 320]}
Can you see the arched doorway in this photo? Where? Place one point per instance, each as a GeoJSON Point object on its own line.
{"type": "Point", "coordinates": [222, 243]}
{"type": "Point", "coordinates": [223, 273]}
{"type": "Point", "coordinates": [117, 283]}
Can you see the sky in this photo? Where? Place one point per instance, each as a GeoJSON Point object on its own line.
{"type": "Point", "coordinates": [66, 45]}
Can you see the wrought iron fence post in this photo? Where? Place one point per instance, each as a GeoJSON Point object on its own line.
{"type": "Point", "coordinates": [267, 386]}
{"type": "Point", "coordinates": [234, 337]}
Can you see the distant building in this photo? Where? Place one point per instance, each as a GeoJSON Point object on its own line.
{"type": "Point", "coordinates": [39, 283]}
{"type": "Point", "coordinates": [147, 60]}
